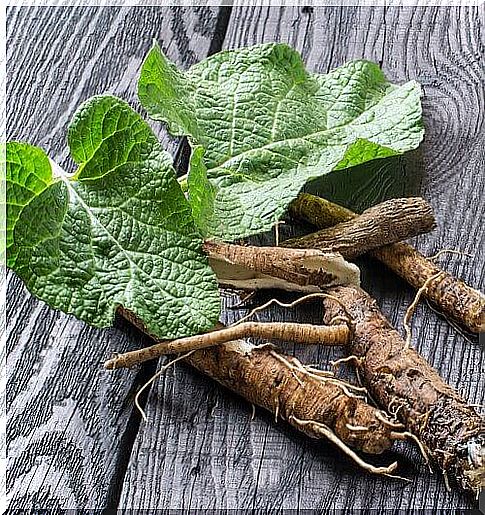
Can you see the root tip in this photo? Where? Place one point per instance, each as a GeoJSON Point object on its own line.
{"type": "Point", "coordinates": [110, 364]}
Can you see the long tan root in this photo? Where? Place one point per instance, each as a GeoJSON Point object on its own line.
{"type": "Point", "coordinates": [408, 217]}
{"type": "Point", "coordinates": [452, 296]}
{"type": "Point", "coordinates": [284, 331]}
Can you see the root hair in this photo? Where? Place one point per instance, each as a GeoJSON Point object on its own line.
{"type": "Point", "coordinates": [305, 298]}
{"type": "Point", "coordinates": [163, 369]}
{"type": "Point", "coordinates": [325, 431]}
{"type": "Point", "coordinates": [412, 307]}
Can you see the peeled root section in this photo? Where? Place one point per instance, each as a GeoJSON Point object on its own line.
{"type": "Point", "coordinates": [404, 383]}
{"type": "Point", "coordinates": [247, 267]}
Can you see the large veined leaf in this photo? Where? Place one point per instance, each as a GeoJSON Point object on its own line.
{"type": "Point", "coordinates": [119, 232]}
{"type": "Point", "coordinates": [268, 126]}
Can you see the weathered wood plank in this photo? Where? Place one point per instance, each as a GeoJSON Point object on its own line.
{"type": "Point", "coordinates": [200, 448]}
{"type": "Point", "coordinates": [71, 425]}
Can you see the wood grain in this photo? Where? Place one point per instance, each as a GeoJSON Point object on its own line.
{"type": "Point", "coordinates": [200, 448]}
{"type": "Point", "coordinates": [71, 425]}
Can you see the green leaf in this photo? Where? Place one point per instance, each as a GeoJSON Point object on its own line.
{"type": "Point", "coordinates": [119, 232]}
{"type": "Point", "coordinates": [268, 126]}
{"type": "Point", "coordinates": [201, 192]}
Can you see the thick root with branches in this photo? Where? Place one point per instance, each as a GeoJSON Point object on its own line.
{"type": "Point", "coordinates": [404, 383]}
{"type": "Point", "coordinates": [312, 400]}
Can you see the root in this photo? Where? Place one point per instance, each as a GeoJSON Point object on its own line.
{"type": "Point", "coordinates": [310, 296]}
{"type": "Point", "coordinates": [253, 411]}
{"type": "Point", "coordinates": [332, 437]}
{"type": "Point", "coordinates": [318, 372]}
{"type": "Point", "coordinates": [370, 230]}
{"type": "Point", "coordinates": [338, 319]}
{"type": "Point", "coordinates": [285, 331]}
{"type": "Point", "coordinates": [325, 377]}
{"type": "Point", "coordinates": [277, 232]}
{"type": "Point", "coordinates": [394, 412]}
{"type": "Point", "coordinates": [422, 447]}
{"type": "Point", "coordinates": [356, 428]}
{"type": "Point", "coordinates": [412, 307]}
{"type": "Point", "coordinates": [447, 481]}
{"type": "Point", "coordinates": [282, 385]}
{"type": "Point", "coordinates": [163, 369]}
{"type": "Point", "coordinates": [461, 302]}
{"type": "Point", "coordinates": [289, 365]}
{"type": "Point", "coordinates": [389, 423]}
{"type": "Point", "coordinates": [396, 377]}
{"type": "Point", "coordinates": [335, 364]}
{"type": "Point", "coordinates": [319, 375]}
{"type": "Point", "coordinates": [247, 267]}
{"type": "Point", "coordinates": [449, 320]}
{"type": "Point", "coordinates": [449, 251]}
{"type": "Point", "coordinates": [277, 409]}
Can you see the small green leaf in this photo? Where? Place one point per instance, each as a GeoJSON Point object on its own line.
{"type": "Point", "coordinates": [268, 126]}
{"type": "Point", "coordinates": [118, 233]}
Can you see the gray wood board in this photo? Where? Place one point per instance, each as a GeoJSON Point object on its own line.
{"type": "Point", "coordinates": [70, 424]}
{"type": "Point", "coordinates": [200, 448]}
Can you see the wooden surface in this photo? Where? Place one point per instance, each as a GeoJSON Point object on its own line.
{"type": "Point", "coordinates": [74, 438]}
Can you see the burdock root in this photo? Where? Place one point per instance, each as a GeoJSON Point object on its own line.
{"type": "Point", "coordinates": [404, 384]}
{"type": "Point", "coordinates": [313, 401]}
